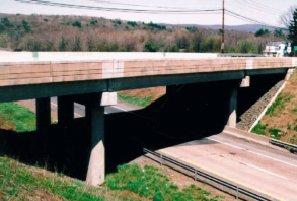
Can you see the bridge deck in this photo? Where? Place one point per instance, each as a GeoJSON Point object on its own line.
{"type": "Point", "coordinates": [35, 68]}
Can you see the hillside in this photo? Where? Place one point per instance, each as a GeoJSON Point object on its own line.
{"type": "Point", "coordinates": [77, 33]}
{"type": "Point", "coordinates": [280, 121]}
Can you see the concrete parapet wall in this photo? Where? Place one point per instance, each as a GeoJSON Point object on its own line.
{"type": "Point", "coordinates": [27, 68]}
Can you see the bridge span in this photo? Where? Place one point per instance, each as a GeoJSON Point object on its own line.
{"type": "Point", "coordinates": [88, 79]}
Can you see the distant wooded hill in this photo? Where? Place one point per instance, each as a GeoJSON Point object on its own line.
{"type": "Point", "coordinates": [77, 33]}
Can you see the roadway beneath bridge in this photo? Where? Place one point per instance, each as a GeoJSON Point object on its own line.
{"type": "Point", "coordinates": [261, 168]}
{"type": "Point", "coordinates": [79, 110]}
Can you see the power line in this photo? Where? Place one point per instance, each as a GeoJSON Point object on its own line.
{"type": "Point", "coordinates": [263, 6]}
{"type": "Point", "coordinates": [244, 5]}
{"type": "Point", "coordinates": [136, 5]}
{"type": "Point", "coordinates": [116, 9]}
{"type": "Point", "coordinates": [239, 16]}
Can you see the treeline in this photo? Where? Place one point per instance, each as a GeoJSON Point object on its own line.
{"type": "Point", "coordinates": [68, 33]}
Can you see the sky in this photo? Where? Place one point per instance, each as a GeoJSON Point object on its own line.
{"type": "Point", "coordinates": [262, 11]}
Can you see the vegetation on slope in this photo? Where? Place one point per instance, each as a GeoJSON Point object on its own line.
{"type": "Point", "coordinates": [280, 121]}
{"type": "Point", "coordinates": [137, 101]}
{"type": "Point", "coordinates": [152, 184]}
{"type": "Point", "coordinates": [72, 33]}
{"type": "Point", "coordinates": [141, 97]}
{"type": "Point", "coordinates": [15, 117]}
{"type": "Point", "coordinates": [20, 182]}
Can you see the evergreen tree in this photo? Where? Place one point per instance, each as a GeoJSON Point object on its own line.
{"type": "Point", "coordinates": [293, 29]}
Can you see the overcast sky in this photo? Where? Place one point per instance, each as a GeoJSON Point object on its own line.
{"type": "Point", "coordinates": [266, 11]}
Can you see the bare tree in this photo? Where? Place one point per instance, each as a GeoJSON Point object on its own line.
{"type": "Point", "coordinates": [288, 16]}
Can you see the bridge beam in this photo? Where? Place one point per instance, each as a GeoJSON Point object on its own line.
{"type": "Point", "coordinates": [95, 116]}
{"type": "Point", "coordinates": [43, 114]}
{"type": "Point", "coordinates": [232, 107]}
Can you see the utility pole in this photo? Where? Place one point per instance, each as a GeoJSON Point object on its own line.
{"type": "Point", "coordinates": [223, 29]}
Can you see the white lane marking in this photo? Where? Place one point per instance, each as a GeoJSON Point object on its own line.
{"type": "Point", "coordinates": [263, 170]}
{"type": "Point", "coordinates": [77, 115]}
{"type": "Point", "coordinates": [270, 157]}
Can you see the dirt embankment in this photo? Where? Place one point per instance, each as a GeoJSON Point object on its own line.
{"type": "Point", "coordinates": [250, 116]}
{"type": "Point", "coordinates": [280, 121]}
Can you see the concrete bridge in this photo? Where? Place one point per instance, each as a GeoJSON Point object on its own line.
{"type": "Point", "coordinates": [88, 79]}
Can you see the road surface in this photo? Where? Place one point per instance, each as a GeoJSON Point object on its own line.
{"type": "Point", "coordinates": [255, 166]}
{"type": "Point", "coordinates": [79, 110]}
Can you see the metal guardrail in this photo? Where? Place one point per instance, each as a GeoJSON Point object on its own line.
{"type": "Point", "coordinates": [239, 55]}
{"type": "Point", "coordinates": [291, 147]}
{"type": "Point", "coordinates": [211, 178]}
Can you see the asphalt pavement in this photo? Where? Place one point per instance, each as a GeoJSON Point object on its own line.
{"type": "Point", "coordinates": [255, 166]}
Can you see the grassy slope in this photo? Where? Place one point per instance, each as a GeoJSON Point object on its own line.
{"type": "Point", "coordinates": [141, 97]}
{"type": "Point", "coordinates": [20, 182]}
{"type": "Point", "coordinates": [15, 117]}
{"type": "Point", "coordinates": [280, 121]}
{"type": "Point", "coordinates": [131, 183]}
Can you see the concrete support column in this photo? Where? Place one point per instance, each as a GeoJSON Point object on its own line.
{"type": "Point", "coordinates": [232, 108]}
{"type": "Point", "coordinates": [65, 110]}
{"type": "Point", "coordinates": [170, 90]}
{"type": "Point", "coordinates": [96, 166]}
{"type": "Point", "coordinates": [43, 114]}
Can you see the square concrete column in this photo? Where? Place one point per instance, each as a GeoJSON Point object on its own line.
{"type": "Point", "coordinates": [43, 114]}
{"type": "Point", "coordinates": [96, 166]}
{"type": "Point", "coordinates": [232, 108]}
{"type": "Point", "coordinates": [65, 110]}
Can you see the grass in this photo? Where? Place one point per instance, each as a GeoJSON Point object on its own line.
{"type": "Point", "coordinates": [22, 118]}
{"type": "Point", "coordinates": [138, 101]}
{"type": "Point", "coordinates": [276, 133]}
{"type": "Point", "coordinates": [131, 183]}
{"type": "Point", "coordinates": [18, 182]}
{"type": "Point", "coordinates": [279, 104]}
{"type": "Point", "coordinates": [259, 129]}
{"type": "Point", "coordinates": [152, 184]}
{"type": "Point", "coordinates": [280, 119]}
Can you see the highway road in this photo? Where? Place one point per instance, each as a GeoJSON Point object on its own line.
{"type": "Point", "coordinates": [261, 168]}
{"type": "Point", "coordinates": [79, 110]}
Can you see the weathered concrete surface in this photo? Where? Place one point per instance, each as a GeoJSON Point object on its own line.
{"type": "Point", "coordinates": [34, 68]}
{"type": "Point", "coordinates": [232, 108]}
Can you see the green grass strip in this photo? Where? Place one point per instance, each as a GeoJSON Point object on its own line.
{"type": "Point", "coordinates": [138, 101]}
{"type": "Point", "coordinates": [22, 118]}
{"type": "Point", "coordinates": [151, 183]}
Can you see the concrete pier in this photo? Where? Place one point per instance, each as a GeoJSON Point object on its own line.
{"type": "Point", "coordinates": [43, 114]}
{"type": "Point", "coordinates": [65, 110]}
{"type": "Point", "coordinates": [95, 116]}
{"type": "Point", "coordinates": [232, 108]}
